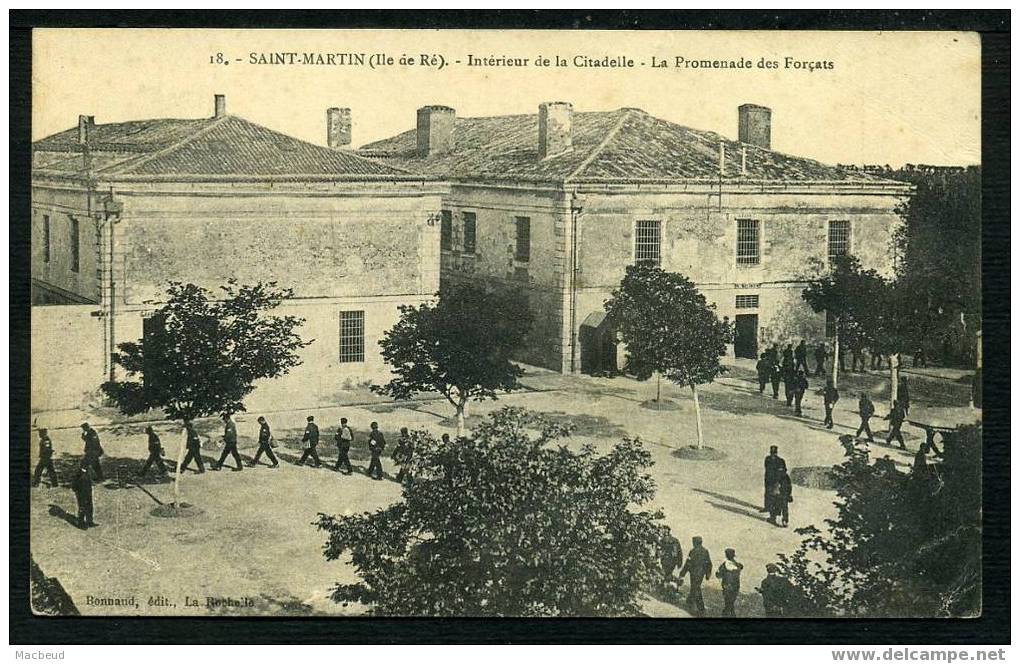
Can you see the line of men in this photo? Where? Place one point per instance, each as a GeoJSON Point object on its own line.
{"type": "Point", "coordinates": [778, 594]}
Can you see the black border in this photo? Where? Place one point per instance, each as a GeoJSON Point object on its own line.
{"type": "Point", "coordinates": [991, 628]}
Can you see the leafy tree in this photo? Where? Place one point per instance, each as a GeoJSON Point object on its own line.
{"type": "Point", "coordinates": [506, 521]}
{"type": "Point", "coordinates": [205, 355]}
{"type": "Point", "coordinates": [903, 544]}
{"type": "Point", "coordinates": [459, 346]}
{"type": "Point", "coordinates": [669, 329]}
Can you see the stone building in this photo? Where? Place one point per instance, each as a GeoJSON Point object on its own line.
{"type": "Point", "coordinates": [118, 210]}
{"type": "Point", "coordinates": [560, 203]}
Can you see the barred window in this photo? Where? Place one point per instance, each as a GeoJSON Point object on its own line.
{"type": "Point", "coordinates": [523, 228]}
{"type": "Point", "coordinates": [747, 302]}
{"type": "Point", "coordinates": [46, 237]}
{"type": "Point", "coordinates": [352, 336]}
{"type": "Point", "coordinates": [469, 233]}
{"type": "Point", "coordinates": [446, 230]}
{"type": "Point", "coordinates": [75, 246]}
{"type": "Point", "coordinates": [839, 238]}
{"type": "Point", "coordinates": [748, 242]}
{"type": "Point", "coordinates": [647, 240]}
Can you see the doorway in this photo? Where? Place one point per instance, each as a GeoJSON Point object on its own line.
{"type": "Point", "coordinates": [745, 338]}
{"type": "Point", "coordinates": [598, 346]}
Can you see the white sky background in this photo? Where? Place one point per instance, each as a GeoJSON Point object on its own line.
{"type": "Point", "coordinates": [891, 98]}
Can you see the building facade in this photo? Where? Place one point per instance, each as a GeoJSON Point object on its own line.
{"type": "Point", "coordinates": [560, 203]}
{"type": "Point", "coordinates": [119, 210]}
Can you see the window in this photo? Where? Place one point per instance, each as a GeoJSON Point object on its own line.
{"type": "Point", "coordinates": [46, 237]}
{"type": "Point", "coordinates": [523, 225]}
{"type": "Point", "coordinates": [748, 242]}
{"type": "Point", "coordinates": [747, 302]}
{"type": "Point", "coordinates": [839, 238]}
{"type": "Point", "coordinates": [446, 230]}
{"type": "Point", "coordinates": [75, 246]}
{"type": "Point", "coordinates": [647, 238]}
{"type": "Point", "coordinates": [469, 233]}
{"type": "Point", "coordinates": [521, 274]}
{"type": "Point", "coordinates": [352, 336]}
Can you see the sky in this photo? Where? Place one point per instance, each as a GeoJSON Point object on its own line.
{"type": "Point", "coordinates": [887, 98]}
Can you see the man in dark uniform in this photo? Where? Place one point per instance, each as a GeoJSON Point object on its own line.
{"type": "Point", "coordinates": [830, 395]}
{"type": "Point", "coordinates": [800, 386]}
{"type": "Point", "coordinates": [776, 376]}
{"type": "Point", "coordinates": [866, 410]}
{"type": "Point", "coordinates": [773, 353]}
{"type": "Point", "coordinates": [376, 445]}
{"type": "Point", "coordinates": [788, 361]}
{"type": "Point", "coordinates": [670, 555]}
{"type": "Point", "coordinates": [895, 418]}
{"type": "Point", "coordinates": [229, 444]}
{"type": "Point", "coordinates": [789, 383]}
{"type": "Point", "coordinates": [194, 447]}
{"type": "Point", "coordinates": [402, 453]}
{"type": "Point", "coordinates": [344, 437]}
{"type": "Point", "coordinates": [800, 358]}
{"type": "Point", "coordinates": [265, 444]}
{"type": "Point", "coordinates": [93, 450]}
{"type": "Point", "coordinates": [155, 452]}
{"type": "Point", "coordinates": [45, 462]}
{"type": "Point", "coordinates": [775, 466]}
{"type": "Point", "coordinates": [729, 574]}
{"type": "Point", "coordinates": [310, 440]}
{"type": "Point", "coordinates": [856, 358]}
{"type": "Point", "coordinates": [821, 353]}
{"type": "Point", "coordinates": [903, 395]}
{"type": "Point", "coordinates": [764, 369]}
{"type": "Point", "coordinates": [699, 567]}
{"type": "Point", "coordinates": [776, 593]}
{"type": "Point", "coordinates": [82, 486]}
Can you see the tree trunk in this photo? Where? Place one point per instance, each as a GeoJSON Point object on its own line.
{"type": "Point", "coordinates": [697, 415]}
{"type": "Point", "coordinates": [835, 357]}
{"type": "Point", "coordinates": [658, 387]}
{"type": "Point", "coordinates": [894, 377]}
{"type": "Point", "coordinates": [180, 461]}
{"type": "Point", "coordinates": [461, 413]}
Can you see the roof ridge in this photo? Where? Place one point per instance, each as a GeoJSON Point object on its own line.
{"type": "Point", "coordinates": [124, 166]}
{"type": "Point", "coordinates": [602, 144]}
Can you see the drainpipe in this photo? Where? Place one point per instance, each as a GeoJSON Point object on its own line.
{"type": "Point", "coordinates": [111, 215]}
{"type": "Point", "coordinates": [576, 208]}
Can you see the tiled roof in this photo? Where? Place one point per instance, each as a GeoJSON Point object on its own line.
{"type": "Point", "coordinates": [621, 145]}
{"type": "Point", "coordinates": [227, 146]}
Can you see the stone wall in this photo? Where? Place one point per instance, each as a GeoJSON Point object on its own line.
{"type": "Point", "coordinates": [60, 205]}
{"type": "Point", "coordinates": [67, 356]}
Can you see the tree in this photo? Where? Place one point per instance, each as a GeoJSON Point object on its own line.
{"type": "Point", "coordinates": [204, 356]}
{"type": "Point", "coordinates": [669, 329]}
{"type": "Point", "coordinates": [507, 521]}
{"type": "Point", "coordinates": [459, 346]}
{"type": "Point", "coordinates": [902, 544]}
{"type": "Point", "coordinates": [849, 295]}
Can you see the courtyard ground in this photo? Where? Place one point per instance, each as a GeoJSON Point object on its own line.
{"type": "Point", "coordinates": [253, 540]}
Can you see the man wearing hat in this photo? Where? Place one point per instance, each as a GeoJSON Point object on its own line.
{"type": "Point", "coordinates": [310, 441]}
{"type": "Point", "coordinates": [93, 450]}
{"type": "Point", "coordinates": [729, 574]}
{"type": "Point", "coordinates": [194, 448]}
{"type": "Point", "coordinates": [81, 484]}
{"type": "Point", "coordinates": [155, 452]}
{"type": "Point", "coordinates": [699, 567]}
{"type": "Point", "coordinates": [229, 444]}
{"type": "Point", "coordinates": [45, 460]}
{"type": "Point", "coordinates": [265, 444]}
{"type": "Point", "coordinates": [776, 593]}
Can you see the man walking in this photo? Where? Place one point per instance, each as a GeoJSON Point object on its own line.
{"type": "Point", "coordinates": [194, 447]}
{"type": "Point", "coordinates": [903, 395]}
{"type": "Point", "coordinates": [866, 410]}
{"type": "Point", "coordinates": [699, 567]}
{"type": "Point", "coordinates": [82, 487]}
{"type": "Point", "coordinates": [821, 353]}
{"type": "Point", "coordinates": [789, 381]}
{"type": "Point", "coordinates": [776, 375]}
{"type": "Point", "coordinates": [775, 465]}
{"type": "Point", "coordinates": [830, 395]}
{"type": "Point", "coordinates": [729, 574]}
{"type": "Point", "coordinates": [265, 444]}
{"type": "Point", "coordinates": [45, 462]}
{"type": "Point", "coordinates": [376, 445]}
{"type": "Point", "coordinates": [776, 593]}
{"type": "Point", "coordinates": [670, 555]}
{"type": "Point", "coordinates": [155, 453]}
{"type": "Point", "coordinates": [402, 453]}
{"type": "Point", "coordinates": [93, 450]}
{"type": "Point", "coordinates": [800, 358]}
{"type": "Point", "coordinates": [895, 418]}
{"type": "Point", "coordinates": [229, 444]}
{"type": "Point", "coordinates": [310, 441]}
{"type": "Point", "coordinates": [344, 437]}
{"type": "Point", "coordinates": [764, 369]}
{"type": "Point", "coordinates": [800, 386]}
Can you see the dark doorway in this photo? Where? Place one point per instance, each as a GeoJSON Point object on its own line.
{"type": "Point", "coordinates": [745, 339]}
{"type": "Point", "coordinates": [598, 346]}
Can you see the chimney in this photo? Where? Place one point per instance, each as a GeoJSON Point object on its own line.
{"type": "Point", "coordinates": [221, 106]}
{"type": "Point", "coordinates": [85, 125]}
{"type": "Point", "coordinates": [754, 125]}
{"type": "Point", "coordinates": [435, 130]}
{"type": "Point", "coordinates": [338, 128]}
{"type": "Point", "coordinates": [554, 128]}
